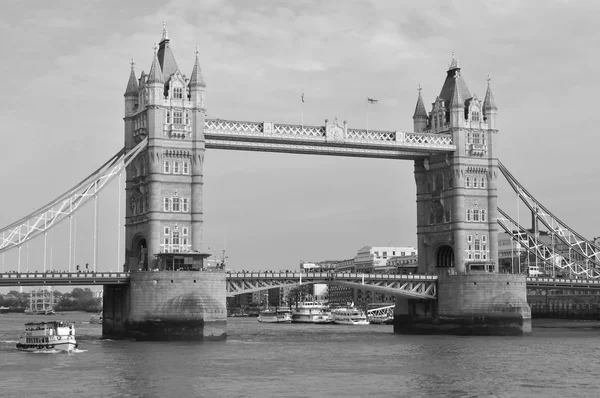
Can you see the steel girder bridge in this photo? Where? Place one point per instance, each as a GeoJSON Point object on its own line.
{"type": "Point", "coordinates": [409, 286]}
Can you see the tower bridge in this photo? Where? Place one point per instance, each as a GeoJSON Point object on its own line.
{"type": "Point", "coordinates": [453, 148]}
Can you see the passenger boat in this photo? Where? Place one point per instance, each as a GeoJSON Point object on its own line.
{"type": "Point", "coordinates": [349, 316]}
{"type": "Point", "coordinates": [48, 336]}
{"type": "Point", "coordinates": [278, 316]}
{"type": "Point", "coordinates": [311, 312]}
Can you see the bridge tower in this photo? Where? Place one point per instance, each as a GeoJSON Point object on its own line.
{"type": "Point", "coordinates": [457, 228]}
{"type": "Point", "coordinates": [456, 194]}
{"type": "Point", "coordinates": [163, 223]}
{"type": "Point", "coordinates": [164, 183]}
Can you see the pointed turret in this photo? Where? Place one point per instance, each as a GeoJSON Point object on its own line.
{"type": "Point", "coordinates": [197, 79]}
{"type": "Point", "coordinates": [453, 82]}
{"type": "Point", "coordinates": [132, 84]}
{"type": "Point", "coordinates": [420, 115]}
{"type": "Point", "coordinates": [155, 75]}
{"type": "Point", "coordinates": [168, 65]}
{"type": "Point", "coordinates": [457, 103]}
{"type": "Point", "coordinates": [489, 106]}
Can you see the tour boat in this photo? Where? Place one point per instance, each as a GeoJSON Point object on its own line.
{"type": "Point", "coordinates": [349, 316]}
{"type": "Point", "coordinates": [48, 336]}
{"type": "Point", "coordinates": [311, 312]}
{"type": "Point", "coordinates": [279, 316]}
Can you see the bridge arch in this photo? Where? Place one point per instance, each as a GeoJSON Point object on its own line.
{"type": "Point", "coordinates": [139, 260]}
{"type": "Point", "coordinates": [444, 256]}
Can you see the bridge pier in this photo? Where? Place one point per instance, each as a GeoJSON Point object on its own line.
{"type": "Point", "coordinates": [167, 305]}
{"type": "Point", "coordinates": [469, 304]}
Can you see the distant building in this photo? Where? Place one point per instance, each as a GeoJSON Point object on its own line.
{"type": "Point", "coordinates": [372, 258]}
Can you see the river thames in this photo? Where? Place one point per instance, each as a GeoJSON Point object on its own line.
{"type": "Point", "coordinates": [297, 360]}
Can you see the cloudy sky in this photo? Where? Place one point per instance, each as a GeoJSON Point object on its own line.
{"type": "Point", "coordinates": [65, 66]}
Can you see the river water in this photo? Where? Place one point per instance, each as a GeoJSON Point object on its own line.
{"type": "Point", "coordinates": [296, 360]}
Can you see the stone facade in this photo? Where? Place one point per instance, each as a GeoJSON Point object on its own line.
{"type": "Point", "coordinates": [177, 305]}
{"type": "Point", "coordinates": [475, 304]}
{"type": "Point", "coordinates": [456, 193]}
{"type": "Point", "coordinates": [164, 182]}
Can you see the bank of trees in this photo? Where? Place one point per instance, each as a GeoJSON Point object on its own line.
{"type": "Point", "coordinates": [77, 300]}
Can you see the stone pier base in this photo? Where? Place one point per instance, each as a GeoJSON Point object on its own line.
{"type": "Point", "coordinates": [476, 304]}
{"type": "Point", "coordinates": [167, 305]}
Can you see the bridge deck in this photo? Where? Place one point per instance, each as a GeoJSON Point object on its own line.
{"type": "Point", "coordinates": [12, 279]}
{"type": "Point", "coordinates": [331, 139]}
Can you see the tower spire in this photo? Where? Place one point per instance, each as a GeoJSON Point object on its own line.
{"type": "Point", "coordinates": [456, 101]}
{"type": "Point", "coordinates": [420, 116]}
{"type": "Point", "coordinates": [488, 103]}
{"type": "Point", "coordinates": [155, 75]}
{"type": "Point", "coordinates": [420, 110]}
{"type": "Point", "coordinates": [197, 79]}
{"type": "Point", "coordinates": [132, 84]}
{"type": "Point", "coordinates": [165, 34]}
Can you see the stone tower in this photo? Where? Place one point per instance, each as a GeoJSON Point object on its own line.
{"type": "Point", "coordinates": [164, 183]}
{"type": "Point", "coordinates": [456, 193]}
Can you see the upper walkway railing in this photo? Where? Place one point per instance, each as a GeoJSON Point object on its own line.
{"type": "Point", "coordinates": [15, 279]}
{"type": "Point", "coordinates": [331, 139]}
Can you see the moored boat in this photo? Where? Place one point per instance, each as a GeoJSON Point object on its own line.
{"type": "Point", "coordinates": [47, 336]}
{"type": "Point", "coordinates": [349, 316]}
{"type": "Point", "coordinates": [278, 316]}
{"type": "Point", "coordinates": [311, 312]}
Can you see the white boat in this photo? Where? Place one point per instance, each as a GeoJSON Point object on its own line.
{"type": "Point", "coordinates": [48, 336]}
{"type": "Point", "coordinates": [311, 312]}
{"type": "Point", "coordinates": [349, 316]}
{"type": "Point", "coordinates": [278, 316]}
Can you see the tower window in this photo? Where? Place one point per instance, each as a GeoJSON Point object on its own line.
{"type": "Point", "coordinates": [167, 166]}
{"type": "Point", "coordinates": [186, 168]}
{"type": "Point", "coordinates": [475, 116]}
{"type": "Point", "coordinates": [483, 182]}
{"type": "Point", "coordinates": [468, 182]}
{"type": "Point", "coordinates": [475, 182]}
{"type": "Point", "coordinates": [177, 117]}
{"type": "Point", "coordinates": [176, 168]}
{"type": "Point", "coordinates": [184, 207]}
{"type": "Point", "coordinates": [469, 214]}
{"type": "Point", "coordinates": [178, 92]}
{"type": "Point", "coordinates": [184, 231]}
{"type": "Point", "coordinates": [167, 231]}
{"type": "Point", "coordinates": [175, 238]}
{"type": "Point", "coordinates": [167, 204]}
{"type": "Point", "coordinates": [176, 204]}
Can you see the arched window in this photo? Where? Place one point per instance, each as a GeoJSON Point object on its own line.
{"type": "Point", "coordinates": [475, 182]}
{"type": "Point", "coordinates": [178, 92]}
{"type": "Point", "coordinates": [475, 116]}
{"type": "Point", "coordinates": [167, 166]}
{"type": "Point", "coordinates": [483, 182]}
{"type": "Point", "coordinates": [468, 182]}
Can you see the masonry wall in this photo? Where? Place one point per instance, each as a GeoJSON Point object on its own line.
{"type": "Point", "coordinates": [168, 305]}
{"type": "Point", "coordinates": [474, 304]}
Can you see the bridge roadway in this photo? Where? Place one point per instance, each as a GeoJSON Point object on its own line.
{"type": "Point", "coordinates": [412, 286]}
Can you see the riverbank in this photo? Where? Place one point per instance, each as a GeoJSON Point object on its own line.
{"type": "Point", "coordinates": [549, 323]}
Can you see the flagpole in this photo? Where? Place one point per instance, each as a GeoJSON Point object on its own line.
{"type": "Point", "coordinates": [367, 116]}
{"type": "Point", "coordinates": [302, 107]}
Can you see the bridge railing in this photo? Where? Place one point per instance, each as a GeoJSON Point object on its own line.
{"type": "Point", "coordinates": [63, 275]}
{"type": "Point", "coordinates": [327, 275]}
{"type": "Point", "coordinates": [563, 280]}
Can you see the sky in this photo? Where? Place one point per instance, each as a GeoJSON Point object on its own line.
{"type": "Point", "coordinates": [66, 66]}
